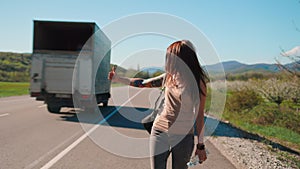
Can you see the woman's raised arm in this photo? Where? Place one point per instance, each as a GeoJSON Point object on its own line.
{"type": "Point", "coordinates": [136, 82]}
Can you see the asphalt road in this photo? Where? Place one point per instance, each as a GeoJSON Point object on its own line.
{"type": "Point", "coordinates": [31, 137]}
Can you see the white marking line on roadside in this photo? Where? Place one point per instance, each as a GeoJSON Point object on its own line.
{"type": "Point", "coordinates": [34, 163]}
{"type": "Point", "coordinates": [75, 143]}
{"type": "Point", "coordinates": [42, 106]}
{"type": "Point", "coordinates": [2, 115]}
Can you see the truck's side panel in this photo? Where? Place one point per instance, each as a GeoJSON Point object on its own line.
{"type": "Point", "coordinates": [102, 55]}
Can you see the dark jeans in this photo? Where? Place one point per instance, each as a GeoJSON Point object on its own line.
{"type": "Point", "coordinates": [162, 144]}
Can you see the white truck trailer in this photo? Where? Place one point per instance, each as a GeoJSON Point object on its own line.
{"type": "Point", "coordinates": [57, 47]}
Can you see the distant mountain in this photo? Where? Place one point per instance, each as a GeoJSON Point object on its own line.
{"type": "Point", "coordinates": [234, 67]}
{"type": "Point", "coordinates": [152, 70]}
{"type": "Point", "coordinates": [237, 67]}
{"type": "Point", "coordinates": [294, 66]}
{"type": "Point", "coordinates": [229, 65]}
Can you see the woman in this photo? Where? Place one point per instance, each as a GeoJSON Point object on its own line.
{"type": "Point", "coordinates": [185, 94]}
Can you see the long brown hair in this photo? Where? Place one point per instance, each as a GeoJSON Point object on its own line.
{"type": "Point", "coordinates": [184, 50]}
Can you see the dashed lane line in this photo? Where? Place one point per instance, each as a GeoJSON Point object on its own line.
{"type": "Point", "coordinates": [3, 115]}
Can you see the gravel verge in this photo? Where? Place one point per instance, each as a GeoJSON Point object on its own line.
{"type": "Point", "coordinates": [251, 154]}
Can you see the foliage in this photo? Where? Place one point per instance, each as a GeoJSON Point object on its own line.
{"type": "Point", "coordinates": [276, 90]}
{"type": "Point", "coordinates": [269, 114]}
{"type": "Point", "coordinates": [253, 75]}
{"type": "Point", "coordinates": [145, 74]}
{"type": "Point", "coordinates": [242, 99]}
{"type": "Point", "coordinates": [14, 67]}
{"type": "Point", "coordinates": [268, 107]}
{"type": "Point", "coordinates": [246, 76]}
{"type": "Point", "coordinates": [142, 74]}
{"type": "Point", "coordinates": [157, 73]}
{"type": "Point", "coordinates": [281, 134]}
{"type": "Point", "coordinates": [292, 69]}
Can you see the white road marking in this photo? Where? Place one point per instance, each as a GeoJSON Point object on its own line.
{"type": "Point", "coordinates": [2, 115]}
{"type": "Point", "coordinates": [79, 140]}
{"type": "Point", "coordinates": [36, 162]}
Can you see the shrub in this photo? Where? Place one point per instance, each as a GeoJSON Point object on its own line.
{"type": "Point", "coordinates": [242, 99]}
{"type": "Point", "coordinates": [265, 114]}
{"type": "Point", "coordinates": [275, 90]}
{"type": "Point", "coordinates": [295, 91]}
{"type": "Point", "coordinates": [269, 102]}
{"type": "Point", "coordinates": [269, 114]}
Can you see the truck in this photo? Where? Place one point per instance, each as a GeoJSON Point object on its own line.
{"type": "Point", "coordinates": [70, 61]}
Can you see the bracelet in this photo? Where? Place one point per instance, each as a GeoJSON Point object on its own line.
{"type": "Point", "coordinates": [200, 146]}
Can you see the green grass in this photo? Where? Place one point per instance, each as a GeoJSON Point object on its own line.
{"type": "Point", "coordinates": [117, 85]}
{"type": "Point", "coordinates": [281, 135]}
{"type": "Point", "coordinates": [294, 161]}
{"type": "Point", "coordinates": [22, 88]}
{"type": "Point", "coordinates": [13, 88]}
{"type": "Point", "coordinates": [251, 113]}
{"type": "Point", "coordinates": [274, 132]}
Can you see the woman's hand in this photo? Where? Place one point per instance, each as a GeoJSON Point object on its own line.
{"type": "Point", "coordinates": [112, 73]}
{"type": "Point", "coordinates": [201, 154]}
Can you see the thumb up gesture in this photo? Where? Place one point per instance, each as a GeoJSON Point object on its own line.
{"type": "Point", "coordinates": [112, 73]}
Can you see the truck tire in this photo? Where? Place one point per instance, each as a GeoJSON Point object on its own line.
{"type": "Point", "coordinates": [105, 104]}
{"type": "Point", "coordinates": [53, 108]}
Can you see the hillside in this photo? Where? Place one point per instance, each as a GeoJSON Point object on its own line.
{"type": "Point", "coordinates": [14, 67]}
{"type": "Point", "coordinates": [235, 67]}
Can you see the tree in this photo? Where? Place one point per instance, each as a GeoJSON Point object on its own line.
{"type": "Point", "coordinates": [294, 56]}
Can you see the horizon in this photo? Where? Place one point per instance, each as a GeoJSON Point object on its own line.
{"type": "Point", "coordinates": [163, 66]}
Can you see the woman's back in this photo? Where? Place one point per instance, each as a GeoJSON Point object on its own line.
{"type": "Point", "coordinates": [179, 111]}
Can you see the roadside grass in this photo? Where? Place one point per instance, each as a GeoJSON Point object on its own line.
{"type": "Point", "coordinates": [249, 111]}
{"type": "Point", "coordinates": [22, 88]}
{"type": "Point", "coordinates": [281, 135]}
{"type": "Point", "coordinates": [117, 84]}
{"type": "Point", "coordinates": [269, 124]}
{"type": "Point", "coordinates": [288, 136]}
{"type": "Point", "coordinates": [13, 88]}
{"type": "Point", "coordinates": [284, 156]}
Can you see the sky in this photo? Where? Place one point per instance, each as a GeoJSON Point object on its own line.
{"type": "Point", "coordinates": [248, 31]}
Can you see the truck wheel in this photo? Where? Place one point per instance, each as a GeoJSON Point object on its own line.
{"type": "Point", "coordinates": [53, 108]}
{"type": "Point", "coordinates": [105, 104]}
